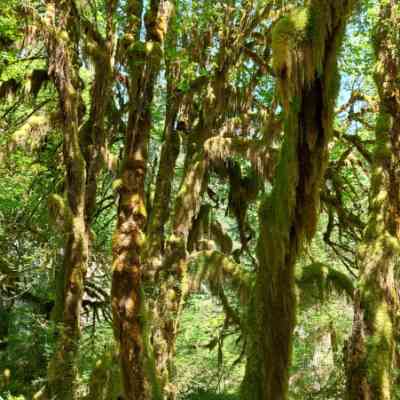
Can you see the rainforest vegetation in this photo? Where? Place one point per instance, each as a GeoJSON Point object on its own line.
{"type": "Point", "coordinates": [199, 199]}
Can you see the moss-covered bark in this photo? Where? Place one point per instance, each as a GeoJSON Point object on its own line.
{"type": "Point", "coordinates": [61, 28]}
{"type": "Point", "coordinates": [305, 48]}
{"type": "Point", "coordinates": [167, 288]}
{"type": "Point", "coordinates": [162, 197]}
{"type": "Point", "coordinates": [92, 134]}
{"type": "Point", "coordinates": [130, 319]}
{"type": "Point", "coordinates": [63, 70]}
{"type": "Point", "coordinates": [171, 276]}
{"type": "Point", "coordinates": [371, 352]}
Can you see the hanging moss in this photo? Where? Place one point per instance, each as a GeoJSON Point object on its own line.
{"type": "Point", "coordinates": [306, 73]}
{"type": "Point", "coordinates": [325, 279]}
{"type": "Point", "coordinates": [215, 268]}
{"type": "Point", "coordinates": [287, 34]}
{"type": "Point", "coordinates": [35, 81]}
{"type": "Point", "coordinates": [8, 89]}
{"type": "Point", "coordinates": [187, 202]}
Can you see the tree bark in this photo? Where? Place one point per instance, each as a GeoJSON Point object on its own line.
{"type": "Point", "coordinates": [308, 86]}
{"type": "Point", "coordinates": [61, 30]}
{"type": "Point", "coordinates": [130, 319]}
{"type": "Point", "coordinates": [63, 69]}
{"type": "Point", "coordinates": [371, 352]}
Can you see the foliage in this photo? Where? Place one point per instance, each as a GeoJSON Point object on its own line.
{"type": "Point", "coordinates": [186, 137]}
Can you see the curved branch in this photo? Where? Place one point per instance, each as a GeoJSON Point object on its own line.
{"type": "Point", "coordinates": [216, 268]}
{"type": "Point", "coordinates": [325, 279]}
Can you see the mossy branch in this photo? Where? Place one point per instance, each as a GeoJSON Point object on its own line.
{"type": "Point", "coordinates": [216, 268]}
{"type": "Point", "coordinates": [325, 280]}
{"type": "Point", "coordinates": [60, 212]}
{"type": "Point", "coordinates": [187, 202]}
{"type": "Point", "coordinates": [262, 158]}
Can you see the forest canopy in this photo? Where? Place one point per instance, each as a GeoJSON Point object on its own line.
{"type": "Point", "coordinates": [199, 199]}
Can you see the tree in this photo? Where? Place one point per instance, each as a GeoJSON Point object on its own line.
{"type": "Point", "coordinates": [308, 82]}
{"type": "Point", "coordinates": [370, 358]}
{"type": "Point", "coordinates": [129, 309]}
{"type": "Point", "coordinates": [138, 139]}
{"type": "Point", "coordinates": [83, 148]}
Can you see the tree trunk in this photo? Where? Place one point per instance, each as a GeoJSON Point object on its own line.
{"type": "Point", "coordinates": [172, 275]}
{"type": "Point", "coordinates": [308, 85]}
{"type": "Point", "coordinates": [370, 356]}
{"type": "Point", "coordinates": [127, 299]}
{"type": "Point", "coordinates": [155, 246]}
{"type": "Point", "coordinates": [130, 318]}
{"type": "Point", "coordinates": [63, 69]}
{"type": "Point", "coordinates": [82, 164]}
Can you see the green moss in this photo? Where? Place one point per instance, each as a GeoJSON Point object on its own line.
{"type": "Point", "coordinates": [154, 51]}
{"type": "Point", "coordinates": [380, 347]}
{"type": "Point", "coordinates": [287, 33]}
{"type": "Point", "coordinates": [149, 361]}
{"type": "Point", "coordinates": [319, 23]}
{"type": "Point", "coordinates": [34, 126]}
{"type": "Point", "coordinates": [59, 211]}
{"type": "Point", "coordinates": [187, 202]}
{"type": "Point", "coordinates": [325, 279]}
{"type": "Point", "coordinates": [117, 185]}
{"type": "Point", "coordinates": [57, 311]}
{"type": "Point", "coordinates": [105, 382]}
{"type": "Point", "coordinates": [136, 55]}
{"type": "Point", "coordinates": [307, 76]}
{"type": "Point", "coordinates": [63, 36]}
{"type": "Point", "coordinates": [383, 149]}
{"type": "Point", "coordinates": [138, 48]}
{"type": "Point", "coordinates": [95, 51]}
{"type": "Point", "coordinates": [216, 269]}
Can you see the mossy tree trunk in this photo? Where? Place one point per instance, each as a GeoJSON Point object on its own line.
{"type": "Point", "coordinates": [305, 47]}
{"type": "Point", "coordinates": [166, 257]}
{"type": "Point", "coordinates": [161, 206]}
{"type": "Point", "coordinates": [62, 27]}
{"type": "Point", "coordinates": [63, 69]}
{"type": "Point", "coordinates": [93, 137]}
{"type": "Point", "coordinates": [130, 319]}
{"type": "Point", "coordinates": [371, 352]}
{"type": "Point", "coordinates": [171, 275]}
{"type": "Point", "coordinates": [159, 215]}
